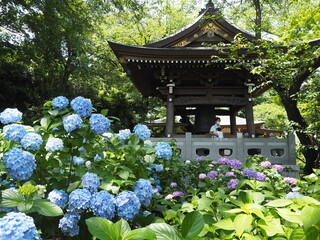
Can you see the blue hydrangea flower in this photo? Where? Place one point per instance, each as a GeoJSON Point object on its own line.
{"type": "Point", "coordinates": [142, 131]}
{"type": "Point", "coordinates": [79, 200]}
{"type": "Point", "coordinates": [60, 103]}
{"type": "Point", "coordinates": [144, 191]}
{"type": "Point", "coordinates": [97, 158]}
{"type": "Point", "coordinates": [163, 150]}
{"type": "Point", "coordinates": [20, 164]}
{"type": "Point", "coordinates": [58, 197]}
{"type": "Point", "coordinates": [99, 123]}
{"type": "Point", "coordinates": [90, 181]}
{"type": "Point", "coordinates": [8, 209]}
{"type": "Point", "coordinates": [31, 141]}
{"type": "Point", "coordinates": [77, 160]}
{"type": "Point", "coordinates": [54, 144]}
{"type": "Point", "coordinates": [103, 204]}
{"type": "Point", "coordinates": [234, 164]}
{"type": "Point", "coordinates": [10, 115]}
{"type": "Point", "coordinates": [233, 183]}
{"type": "Point", "coordinates": [18, 226]}
{"type": "Point", "coordinates": [248, 172]}
{"type": "Point", "coordinates": [128, 205]}
{"type": "Point", "coordinates": [157, 167]}
{"type": "Point", "coordinates": [69, 224]}
{"type": "Point", "coordinates": [293, 195]}
{"type": "Point", "coordinates": [14, 132]}
{"type": "Point", "coordinates": [72, 122]}
{"type": "Point", "coordinates": [123, 135]}
{"type": "Point", "coordinates": [82, 106]}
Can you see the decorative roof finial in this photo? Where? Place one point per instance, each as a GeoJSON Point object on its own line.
{"type": "Point", "coordinates": [210, 4]}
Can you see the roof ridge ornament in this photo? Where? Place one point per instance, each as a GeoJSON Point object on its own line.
{"type": "Point", "coordinates": [209, 8]}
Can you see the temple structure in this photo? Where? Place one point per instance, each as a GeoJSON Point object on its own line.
{"type": "Point", "coordinates": [191, 77]}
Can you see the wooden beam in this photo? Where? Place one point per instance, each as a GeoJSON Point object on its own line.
{"type": "Point", "coordinates": [250, 118]}
{"type": "Point", "coordinates": [170, 116]}
{"type": "Point", "coordinates": [217, 100]}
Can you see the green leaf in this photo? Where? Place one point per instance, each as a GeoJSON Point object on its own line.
{"type": "Point", "coordinates": [73, 186]}
{"type": "Point", "coordinates": [103, 228]}
{"type": "Point", "coordinates": [310, 216]}
{"type": "Point", "coordinates": [124, 174]}
{"type": "Point", "coordinates": [242, 222]}
{"type": "Point", "coordinates": [279, 203]}
{"type": "Point", "coordinates": [299, 234]}
{"type": "Point", "coordinates": [104, 112]}
{"type": "Point", "coordinates": [192, 224]}
{"type": "Point", "coordinates": [45, 121]}
{"type": "Point", "coordinates": [258, 197]}
{"type": "Point", "coordinates": [272, 227]}
{"type": "Point", "coordinates": [53, 112]}
{"type": "Point", "coordinates": [140, 234]}
{"type": "Point", "coordinates": [289, 215]}
{"type": "Point", "coordinates": [25, 206]}
{"type": "Point", "coordinates": [11, 198]}
{"type": "Point", "coordinates": [204, 203]}
{"type": "Point", "coordinates": [164, 231]}
{"type": "Point", "coordinates": [304, 200]}
{"type": "Point", "coordinates": [46, 208]}
{"type": "Point", "coordinates": [123, 226]}
{"type": "Point", "coordinates": [226, 224]}
{"type": "Point", "coordinates": [235, 210]}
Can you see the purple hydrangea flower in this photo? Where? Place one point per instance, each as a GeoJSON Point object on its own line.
{"type": "Point", "coordinates": [235, 164]}
{"type": "Point", "coordinates": [278, 167]}
{"type": "Point", "coordinates": [260, 177]}
{"type": "Point", "coordinates": [233, 183]}
{"type": "Point", "coordinates": [265, 164]}
{"type": "Point", "coordinates": [155, 190]}
{"type": "Point", "coordinates": [202, 175]}
{"type": "Point", "coordinates": [212, 174]}
{"type": "Point", "coordinates": [199, 159]}
{"type": "Point", "coordinates": [173, 184]}
{"type": "Point", "coordinates": [223, 161]}
{"type": "Point", "coordinates": [290, 180]}
{"type": "Point", "coordinates": [178, 194]}
{"type": "Point", "coordinates": [169, 197]}
{"type": "Point", "coordinates": [230, 174]}
{"type": "Point", "coordinates": [249, 172]}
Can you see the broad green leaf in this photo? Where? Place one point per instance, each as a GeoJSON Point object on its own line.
{"type": "Point", "coordinates": [257, 212]}
{"type": "Point", "coordinates": [104, 112]}
{"type": "Point", "coordinates": [123, 226]}
{"type": "Point", "coordinates": [25, 206]}
{"type": "Point", "coordinates": [272, 227]}
{"type": "Point", "coordinates": [164, 231]}
{"type": "Point", "coordinates": [236, 210]}
{"type": "Point", "coordinates": [103, 229]}
{"type": "Point", "coordinates": [73, 186]}
{"type": "Point", "coordinates": [53, 112]}
{"type": "Point", "coordinates": [140, 234]}
{"type": "Point", "coordinates": [169, 214]}
{"type": "Point", "coordinates": [204, 203]}
{"type": "Point", "coordinates": [304, 200]}
{"type": "Point", "coordinates": [192, 225]}
{"type": "Point", "coordinates": [279, 203]}
{"type": "Point", "coordinates": [45, 121]}
{"type": "Point", "coordinates": [46, 208]}
{"type": "Point", "coordinates": [258, 197]}
{"type": "Point", "coordinates": [299, 234]}
{"type": "Point", "coordinates": [226, 224]}
{"type": "Point", "coordinates": [310, 216]}
{"type": "Point", "coordinates": [11, 198]}
{"type": "Point", "coordinates": [124, 174]}
{"type": "Point", "coordinates": [242, 222]}
{"type": "Point", "coordinates": [289, 215]}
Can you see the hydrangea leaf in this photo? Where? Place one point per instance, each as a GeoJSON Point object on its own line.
{"type": "Point", "coordinates": [226, 224]}
{"type": "Point", "coordinates": [103, 229]}
{"type": "Point", "coordinates": [73, 186]}
{"type": "Point", "coordinates": [279, 203]}
{"type": "Point", "coordinates": [192, 225]}
{"type": "Point", "coordinates": [289, 215]}
{"type": "Point", "coordinates": [25, 206]}
{"type": "Point", "coordinates": [11, 198]}
{"type": "Point", "coordinates": [300, 234]}
{"type": "Point", "coordinates": [124, 226]}
{"type": "Point", "coordinates": [164, 231]}
{"type": "Point", "coordinates": [138, 234]}
{"type": "Point", "coordinates": [46, 208]}
{"type": "Point", "coordinates": [310, 216]}
{"type": "Point", "coordinates": [242, 222]}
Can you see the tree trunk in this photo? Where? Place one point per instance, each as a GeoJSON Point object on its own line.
{"type": "Point", "coordinates": [309, 152]}
{"type": "Point", "coordinates": [258, 19]}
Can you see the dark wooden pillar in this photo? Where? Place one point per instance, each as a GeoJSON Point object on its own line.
{"type": "Point", "coordinates": [233, 124]}
{"type": "Point", "coordinates": [249, 116]}
{"type": "Point", "coordinates": [170, 111]}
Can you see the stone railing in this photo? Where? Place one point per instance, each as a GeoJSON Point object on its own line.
{"type": "Point", "coordinates": [278, 151]}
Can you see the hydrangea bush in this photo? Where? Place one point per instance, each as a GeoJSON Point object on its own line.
{"type": "Point", "coordinates": [70, 165]}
